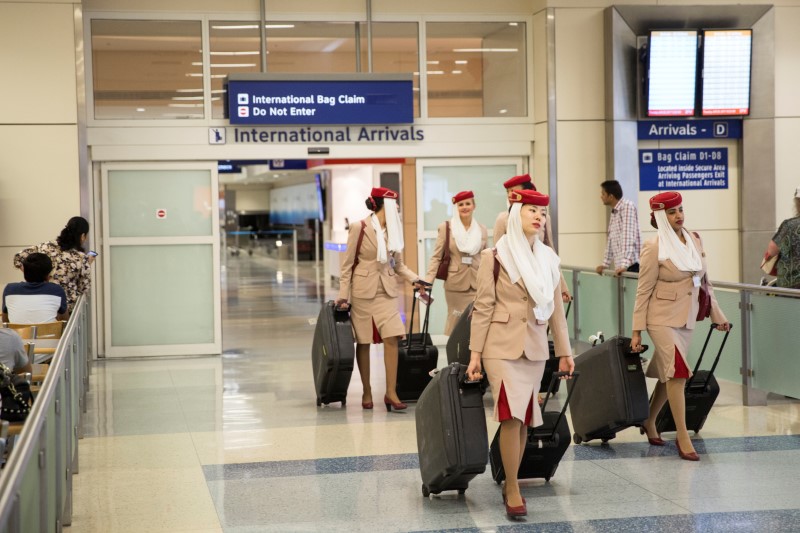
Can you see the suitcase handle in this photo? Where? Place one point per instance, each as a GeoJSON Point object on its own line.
{"type": "Point", "coordinates": [703, 352]}
{"type": "Point", "coordinates": [464, 382]}
{"type": "Point", "coordinates": [551, 392]}
{"type": "Point", "coordinates": [411, 321]}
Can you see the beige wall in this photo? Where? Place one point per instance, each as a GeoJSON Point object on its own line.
{"type": "Point", "coordinates": [39, 169]}
{"type": "Point", "coordinates": [787, 109]}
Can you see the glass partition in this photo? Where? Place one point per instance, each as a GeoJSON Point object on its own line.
{"type": "Point", "coordinates": [775, 339]}
{"type": "Point", "coordinates": [476, 69]}
{"type": "Point", "coordinates": [147, 69]}
{"type": "Point", "coordinates": [598, 303]}
{"type": "Point", "coordinates": [395, 49]}
{"type": "Point", "coordinates": [234, 48]}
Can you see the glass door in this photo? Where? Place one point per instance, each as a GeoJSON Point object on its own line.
{"type": "Point", "coordinates": [438, 180]}
{"type": "Point", "coordinates": [161, 267]}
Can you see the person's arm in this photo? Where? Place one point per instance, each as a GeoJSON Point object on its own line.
{"type": "Point", "coordinates": [5, 316]}
{"type": "Point", "coordinates": [63, 310]}
{"type": "Point", "coordinates": [772, 249]}
{"type": "Point", "coordinates": [436, 256]}
{"type": "Point", "coordinates": [648, 277]}
{"type": "Point", "coordinates": [345, 276]}
{"type": "Point", "coordinates": [607, 257]}
{"type": "Point", "coordinates": [20, 256]}
{"type": "Point", "coordinates": [717, 316]}
{"type": "Point", "coordinates": [482, 311]}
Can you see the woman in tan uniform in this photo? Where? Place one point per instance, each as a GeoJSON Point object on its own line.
{"type": "Point", "coordinates": [509, 330]}
{"type": "Point", "coordinates": [466, 240]}
{"type": "Point", "coordinates": [671, 267]}
{"type": "Point", "coordinates": [372, 262]}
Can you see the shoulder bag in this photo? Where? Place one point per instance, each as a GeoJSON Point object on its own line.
{"type": "Point", "coordinates": [444, 264]}
{"type": "Point", "coordinates": [703, 296]}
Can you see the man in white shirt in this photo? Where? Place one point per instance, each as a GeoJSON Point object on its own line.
{"type": "Point", "coordinates": [35, 300]}
{"type": "Point", "coordinates": [623, 242]}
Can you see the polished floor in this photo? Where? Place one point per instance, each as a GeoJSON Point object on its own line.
{"type": "Point", "coordinates": [236, 444]}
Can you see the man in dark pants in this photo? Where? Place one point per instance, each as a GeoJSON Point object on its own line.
{"type": "Point", "coordinates": [623, 242]}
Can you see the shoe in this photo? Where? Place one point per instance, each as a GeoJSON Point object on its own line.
{"type": "Point", "coordinates": [505, 499]}
{"type": "Point", "coordinates": [367, 405]}
{"type": "Point", "coordinates": [658, 441]}
{"type": "Point", "coordinates": [517, 512]}
{"type": "Point", "coordinates": [398, 406]}
{"type": "Point", "coordinates": [686, 456]}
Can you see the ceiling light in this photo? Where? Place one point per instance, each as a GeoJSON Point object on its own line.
{"type": "Point", "coordinates": [456, 72]}
{"type": "Point", "coordinates": [188, 90]}
{"type": "Point", "coordinates": [503, 111]}
{"type": "Point", "coordinates": [187, 97]}
{"type": "Point", "coordinates": [140, 109]}
{"type": "Point", "coordinates": [513, 24]}
{"type": "Point", "coordinates": [435, 72]}
{"type": "Point", "coordinates": [252, 27]}
{"type": "Point", "coordinates": [232, 65]}
{"type": "Point", "coordinates": [461, 61]}
{"type": "Point", "coordinates": [485, 49]}
{"type": "Point", "coordinates": [333, 45]}
{"type": "Point", "coordinates": [244, 53]}
{"type": "Point", "coordinates": [433, 62]}
{"type": "Point", "coordinates": [185, 105]}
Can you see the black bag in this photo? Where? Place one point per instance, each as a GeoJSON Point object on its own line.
{"type": "Point", "coordinates": [701, 392]}
{"type": "Point", "coordinates": [551, 366]}
{"type": "Point", "coordinates": [458, 342]}
{"type": "Point", "coordinates": [613, 395]}
{"type": "Point", "coordinates": [546, 444]}
{"type": "Point", "coordinates": [452, 441]}
{"type": "Point", "coordinates": [416, 358]}
{"type": "Point", "coordinates": [16, 395]}
{"type": "Point", "coordinates": [332, 354]}
{"type": "Point", "coordinates": [444, 265]}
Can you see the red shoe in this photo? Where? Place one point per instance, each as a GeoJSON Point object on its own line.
{"type": "Point", "coordinates": [517, 512]}
{"type": "Point", "coordinates": [658, 441]}
{"type": "Point", "coordinates": [398, 406]}
{"type": "Point", "coordinates": [692, 456]}
{"type": "Point", "coordinates": [367, 405]}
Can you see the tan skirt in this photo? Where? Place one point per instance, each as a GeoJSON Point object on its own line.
{"type": "Point", "coordinates": [519, 379]}
{"type": "Point", "coordinates": [382, 310]}
{"type": "Point", "coordinates": [666, 340]}
{"type": "Point", "coordinates": [457, 301]}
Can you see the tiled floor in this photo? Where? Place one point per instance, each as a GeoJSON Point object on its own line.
{"type": "Point", "coordinates": [236, 444]}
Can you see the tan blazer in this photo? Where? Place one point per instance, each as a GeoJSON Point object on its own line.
{"type": "Point", "coordinates": [667, 296]}
{"type": "Point", "coordinates": [461, 277]}
{"type": "Point", "coordinates": [501, 314]}
{"type": "Point", "coordinates": [364, 280]}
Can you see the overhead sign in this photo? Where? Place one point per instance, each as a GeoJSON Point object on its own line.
{"type": "Point", "coordinates": [689, 129]}
{"type": "Point", "coordinates": [683, 168]}
{"type": "Point", "coordinates": [322, 99]}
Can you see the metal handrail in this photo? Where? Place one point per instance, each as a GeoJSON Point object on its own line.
{"type": "Point", "coordinates": [29, 445]}
{"type": "Point", "coordinates": [750, 395]}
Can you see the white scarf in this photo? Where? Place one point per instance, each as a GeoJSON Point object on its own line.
{"type": "Point", "coordinates": [685, 257]}
{"type": "Point", "coordinates": [538, 266]}
{"type": "Point", "coordinates": [393, 228]}
{"type": "Point", "coordinates": [468, 241]}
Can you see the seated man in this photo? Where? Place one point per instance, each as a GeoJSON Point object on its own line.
{"type": "Point", "coordinates": [35, 300]}
{"type": "Point", "coordinates": [12, 352]}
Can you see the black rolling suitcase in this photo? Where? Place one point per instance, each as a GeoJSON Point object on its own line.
{"type": "Point", "coordinates": [416, 358]}
{"type": "Point", "coordinates": [458, 343]}
{"type": "Point", "coordinates": [452, 442]}
{"type": "Point", "coordinates": [701, 392]}
{"type": "Point", "coordinates": [613, 393]}
{"type": "Point", "coordinates": [551, 366]}
{"type": "Point", "coordinates": [332, 354]}
{"type": "Point", "coordinates": [546, 444]}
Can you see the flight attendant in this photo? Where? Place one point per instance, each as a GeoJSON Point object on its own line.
{"type": "Point", "coordinates": [372, 263]}
{"type": "Point", "coordinates": [509, 330]}
{"type": "Point", "coordinates": [465, 238]}
{"type": "Point", "coordinates": [672, 265]}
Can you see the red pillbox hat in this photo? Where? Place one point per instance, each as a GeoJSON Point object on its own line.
{"type": "Point", "coordinates": [463, 195]}
{"type": "Point", "coordinates": [383, 192]}
{"type": "Point", "coordinates": [517, 180]}
{"type": "Point", "coordinates": [530, 198]}
{"type": "Point", "coordinates": [665, 200]}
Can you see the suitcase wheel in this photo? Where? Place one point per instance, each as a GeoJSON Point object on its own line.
{"type": "Point", "coordinates": [344, 402]}
{"type": "Point", "coordinates": [319, 402]}
{"type": "Point", "coordinates": [576, 439]}
{"type": "Point", "coordinates": [547, 479]}
{"type": "Point", "coordinates": [606, 439]}
{"type": "Point", "coordinates": [425, 491]}
{"type": "Point", "coordinates": [462, 491]}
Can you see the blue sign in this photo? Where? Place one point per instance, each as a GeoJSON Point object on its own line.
{"type": "Point", "coordinates": [683, 168]}
{"type": "Point", "coordinates": [651, 130]}
{"type": "Point", "coordinates": [330, 99]}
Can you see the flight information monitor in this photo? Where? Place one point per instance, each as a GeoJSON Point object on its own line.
{"type": "Point", "coordinates": [672, 73]}
{"type": "Point", "coordinates": [726, 72]}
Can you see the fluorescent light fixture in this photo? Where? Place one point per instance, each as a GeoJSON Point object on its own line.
{"type": "Point", "coordinates": [188, 90]}
{"type": "Point", "coordinates": [485, 49]}
{"type": "Point", "coordinates": [187, 97]}
{"type": "Point", "coordinates": [435, 72]}
{"type": "Point", "coordinates": [456, 72]}
{"type": "Point", "coordinates": [243, 53]}
{"type": "Point", "coordinates": [334, 45]}
{"type": "Point", "coordinates": [252, 27]}
{"type": "Point", "coordinates": [232, 65]}
{"type": "Point", "coordinates": [513, 24]}
{"type": "Point", "coordinates": [140, 109]}
{"type": "Point", "coordinates": [461, 61]}
{"type": "Point", "coordinates": [200, 75]}
{"type": "Point", "coordinates": [185, 105]}
{"type": "Point", "coordinates": [503, 111]}
{"type": "Point", "coordinates": [433, 62]}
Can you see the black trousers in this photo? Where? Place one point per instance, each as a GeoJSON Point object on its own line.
{"type": "Point", "coordinates": [634, 268]}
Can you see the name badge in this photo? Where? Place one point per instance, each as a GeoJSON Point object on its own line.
{"type": "Point", "coordinates": [466, 260]}
{"type": "Point", "coordinates": [696, 281]}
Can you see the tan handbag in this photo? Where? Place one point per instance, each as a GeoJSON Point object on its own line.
{"type": "Point", "coordinates": [770, 264]}
{"type": "Point", "coordinates": [444, 265]}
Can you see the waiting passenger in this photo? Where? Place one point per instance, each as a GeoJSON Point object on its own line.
{"type": "Point", "coordinates": [466, 239]}
{"type": "Point", "coordinates": [35, 300]}
{"type": "Point", "coordinates": [509, 330]}
{"type": "Point", "coordinates": [70, 262]}
{"type": "Point", "coordinates": [786, 242]}
{"type": "Point", "coordinates": [12, 351]}
{"type": "Point", "coordinates": [372, 260]}
{"type": "Point", "coordinates": [672, 268]}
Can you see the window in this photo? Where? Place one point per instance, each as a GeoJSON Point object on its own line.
{"type": "Point", "coordinates": [234, 47]}
{"type": "Point", "coordinates": [476, 69]}
{"type": "Point", "coordinates": [395, 49]}
{"type": "Point", "coordinates": [147, 69]}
